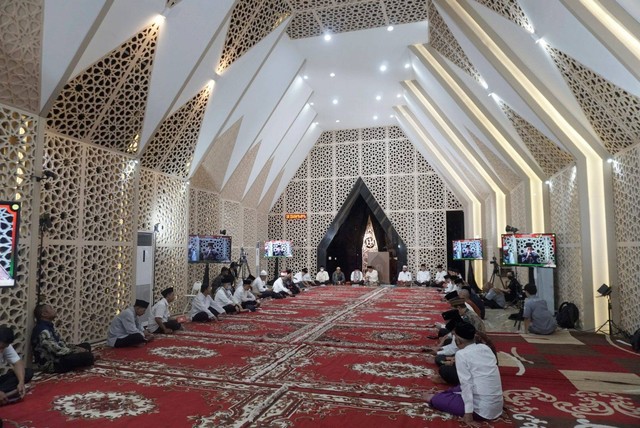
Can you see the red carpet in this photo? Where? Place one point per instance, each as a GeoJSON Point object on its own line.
{"type": "Point", "coordinates": [331, 357]}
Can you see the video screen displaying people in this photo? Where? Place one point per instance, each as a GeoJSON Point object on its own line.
{"type": "Point", "coordinates": [207, 248]}
{"type": "Point", "coordinates": [9, 227]}
{"type": "Point", "coordinates": [278, 248]}
{"type": "Point", "coordinates": [467, 249]}
{"type": "Point", "coordinates": [533, 249]}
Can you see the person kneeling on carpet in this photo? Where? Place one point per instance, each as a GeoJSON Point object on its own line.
{"type": "Point", "coordinates": [245, 297]}
{"type": "Point", "coordinates": [12, 383]}
{"type": "Point", "coordinates": [50, 352]}
{"type": "Point", "coordinates": [160, 321]}
{"type": "Point", "coordinates": [225, 299]}
{"type": "Point", "coordinates": [126, 330]}
{"type": "Point", "coordinates": [203, 307]}
{"type": "Point", "coordinates": [537, 318]}
{"type": "Point", "coordinates": [479, 395]}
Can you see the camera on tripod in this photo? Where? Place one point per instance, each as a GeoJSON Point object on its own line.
{"type": "Point", "coordinates": [494, 261]}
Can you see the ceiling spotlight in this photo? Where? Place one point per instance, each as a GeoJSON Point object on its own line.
{"type": "Point", "coordinates": [609, 160]}
{"type": "Point", "coordinates": [332, 74]}
{"type": "Point", "coordinates": [378, 97]}
{"type": "Point", "coordinates": [311, 103]}
{"type": "Point", "coordinates": [390, 28]}
{"type": "Point", "coordinates": [398, 95]}
{"type": "Point", "coordinates": [337, 120]}
{"type": "Point", "coordinates": [375, 117]}
{"type": "Point", "coordinates": [335, 101]}
{"type": "Point", "coordinates": [383, 67]}
{"type": "Point", "coordinates": [305, 77]}
{"type": "Point", "coordinates": [327, 37]}
{"type": "Point", "coordinates": [391, 116]}
{"type": "Point", "coordinates": [407, 65]}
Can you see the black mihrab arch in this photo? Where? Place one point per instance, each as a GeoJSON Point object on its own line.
{"type": "Point", "coordinates": [382, 225]}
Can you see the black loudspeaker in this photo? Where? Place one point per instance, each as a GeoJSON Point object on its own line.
{"type": "Point", "coordinates": [604, 290]}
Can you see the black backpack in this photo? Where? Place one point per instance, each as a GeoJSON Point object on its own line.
{"type": "Point", "coordinates": [568, 315]}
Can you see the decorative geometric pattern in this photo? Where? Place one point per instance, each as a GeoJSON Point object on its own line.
{"type": "Point", "coordinates": [626, 192]}
{"type": "Point", "coordinates": [18, 133]}
{"type": "Point", "coordinates": [170, 150]}
{"type": "Point", "coordinates": [20, 51]}
{"type": "Point", "coordinates": [613, 112]}
{"type": "Point", "coordinates": [314, 17]}
{"type": "Point", "coordinates": [249, 228]}
{"type": "Point", "coordinates": [415, 199]}
{"type": "Point", "coordinates": [251, 21]}
{"type": "Point", "coordinates": [59, 269]}
{"type": "Point", "coordinates": [105, 103]}
{"type": "Point", "coordinates": [442, 40]}
{"type": "Point", "coordinates": [511, 10]}
{"type": "Point", "coordinates": [204, 212]}
{"type": "Point", "coordinates": [549, 156]}
{"type": "Point", "coordinates": [302, 172]}
{"type": "Point", "coordinates": [500, 168]}
{"type": "Point", "coordinates": [565, 223]}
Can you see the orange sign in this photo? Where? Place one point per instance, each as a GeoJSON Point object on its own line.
{"type": "Point", "coordinates": [295, 216]}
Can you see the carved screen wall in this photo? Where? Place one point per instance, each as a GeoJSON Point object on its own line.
{"type": "Point", "coordinates": [88, 254]}
{"type": "Point", "coordinates": [626, 176]}
{"type": "Point", "coordinates": [564, 205]}
{"type": "Point", "coordinates": [412, 195]}
{"type": "Point", "coordinates": [18, 133]}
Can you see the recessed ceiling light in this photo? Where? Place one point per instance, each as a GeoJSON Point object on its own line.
{"type": "Point", "coordinates": [335, 101]}
{"type": "Point", "coordinates": [391, 116]}
{"type": "Point", "coordinates": [383, 67]}
{"type": "Point", "coordinates": [305, 77]}
{"type": "Point", "coordinates": [337, 120]}
{"type": "Point", "coordinates": [398, 95]}
{"type": "Point", "coordinates": [378, 97]}
{"type": "Point", "coordinates": [327, 37]}
{"type": "Point", "coordinates": [390, 28]}
{"type": "Point", "coordinates": [407, 65]}
{"type": "Point", "coordinates": [375, 117]}
{"type": "Point", "coordinates": [332, 74]}
{"type": "Point", "coordinates": [311, 103]}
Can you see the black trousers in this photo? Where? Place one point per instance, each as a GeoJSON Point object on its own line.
{"type": "Point", "coordinates": [9, 381]}
{"type": "Point", "coordinates": [324, 283]}
{"type": "Point", "coordinates": [268, 293]}
{"type": "Point", "coordinates": [283, 294]}
{"type": "Point", "coordinates": [230, 309]}
{"type": "Point", "coordinates": [130, 340]}
{"type": "Point", "coordinates": [70, 362]}
{"type": "Point", "coordinates": [294, 289]}
{"type": "Point", "coordinates": [491, 304]}
{"type": "Point", "coordinates": [251, 305]}
{"type": "Point", "coordinates": [449, 374]}
{"type": "Point", "coordinates": [358, 282]}
{"type": "Point", "coordinates": [172, 324]}
{"type": "Point", "coordinates": [203, 316]}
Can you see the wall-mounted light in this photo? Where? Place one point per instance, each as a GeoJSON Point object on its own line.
{"type": "Point", "coordinates": [157, 228]}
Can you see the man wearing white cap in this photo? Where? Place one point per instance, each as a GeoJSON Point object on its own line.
{"type": "Point", "coordinates": [260, 289]}
{"type": "Point", "coordinates": [404, 277]}
{"type": "Point", "coordinates": [280, 288]}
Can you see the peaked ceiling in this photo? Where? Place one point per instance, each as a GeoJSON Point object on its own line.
{"type": "Point", "coordinates": [234, 94]}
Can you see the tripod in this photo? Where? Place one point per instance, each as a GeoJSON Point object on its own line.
{"type": "Point", "coordinates": [612, 327]}
{"type": "Point", "coordinates": [496, 272]}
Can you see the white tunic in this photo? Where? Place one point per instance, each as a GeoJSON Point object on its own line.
{"type": "Point", "coordinates": [404, 276]}
{"type": "Point", "coordinates": [242, 295]}
{"type": "Point", "coordinates": [423, 276]}
{"type": "Point", "coordinates": [202, 303]}
{"type": "Point", "coordinates": [322, 276]}
{"type": "Point", "coordinates": [9, 355]}
{"type": "Point", "coordinates": [480, 383]}
{"type": "Point", "coordinates": [159, 310]}
{"type": "Point", "coordinates": [258, 286]}
{"type": "Point", "coordinates": [440, 276]}
{"type": "Point", "coordinates": [371, 276]}
{"type": "Point", "coordinates": [298, 278]}
{"type": "Point", "coordinates": [356, 276]}
{"type": "Point", "coordinates": [224, 297]}
{"type": "Point", "coordinates": [123, 325]}
{"type": "Point", "coordinates": [279, 287]}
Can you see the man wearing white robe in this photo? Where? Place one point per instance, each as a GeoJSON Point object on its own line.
{"type": "Point", "coordinates": [203, 307]}
{"type": "Point", "coordinates": [404, 277]}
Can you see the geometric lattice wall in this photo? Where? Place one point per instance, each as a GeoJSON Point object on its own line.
{"type": "Point", "coordinates": [442, 40]}
{"type": "Point", "coordinates": [518, 211]}
{"type": "Point", "coordinates": [613, 112]}
{"type": "Point", "coordinates": [170, 150]}
{"type": "Point", "coordinates": [18, 133]}
{"type": "Point", "coordinates": [626, 176]}
{"type": "Point", "coordinates": [313, 18]}
{"type": "Point", "coordinates": [251, 21]}
{"type": "Point", "coordinates": [20, 51]}
{"type": "Point", "coordinates": [509, 9]}
{"type": "Point", "coordinates": [88, 254]}
{"type": "Point", "coordinates": [407, 188]}
{"type": "Point", "coordinates": [105, 104]}
{"type": "Point", "coordinates": [164, 200]}
{"type": "Point", "coordinates": [564, 205]}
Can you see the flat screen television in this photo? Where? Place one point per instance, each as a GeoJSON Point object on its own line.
{"type": "Point", "coordinates": [278, 248]}
{"type": "Point", "coordinates": [209, 249]}
{"type": "Point", "coordinates": [529, 249]}
{"type": "Point", "coordinates": [9, 231]}
{"type": "Point", "coordinates": [467, 249]}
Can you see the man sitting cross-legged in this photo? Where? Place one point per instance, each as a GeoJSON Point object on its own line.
{"type": "Point", "coordinates": [479, 395]}
{"type": "Point", "coordinates": [225, 299]}
{"type": "Point", "coordinates": [245, 297]}
{"type": "Point", "coordinates": [322, 277]}
{"type": "Point", "coordinates": [50, 352]}
{"type": "Point", "coordinates": [357, 277]}
{"type": "Point", "coordinates": [161, 321]}
{"type": "Point", "coordinates": [260, 289]}
{"type": "Point", "coordinates": [537, 318]}
{"type": "Point", "coordinates": [12, 383]}
{"type": "Point", "coordinates": [280, 288]}
{"type": "Point", "coordinates": [126, 330]}
{"type": "Point", "coordinates": [203, 307]}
